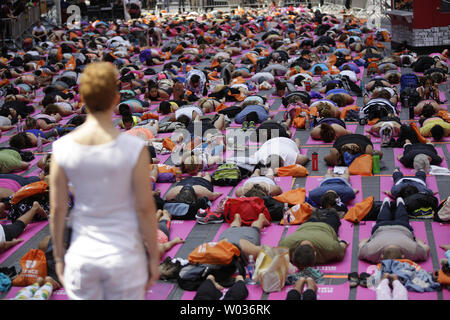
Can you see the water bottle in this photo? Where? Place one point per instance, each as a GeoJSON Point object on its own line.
{"type": "Point", "coordinates": [312, 122]}
{"type": "Point", "coordinates": [363, 87]}
{"type": "Point", "coordinates": [184, 68]}
{"type": "Point", "coordinates": [39, 144]}
{"type": "Point", "coordinates": [307, 86]}
{"type": "Point", "coordinates": [376, 163]}
{"type": "Point", "coordinates": [315, 161]}
{"type": "Point", "coordinates": [307, 123]}
{"type": "Point", "coordinates": [19, 126]}
{"type": "Point", "coordinates": [250, 269]}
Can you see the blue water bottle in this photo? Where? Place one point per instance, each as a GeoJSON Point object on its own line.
{"type": "Point", "coordinates": [250, 270]}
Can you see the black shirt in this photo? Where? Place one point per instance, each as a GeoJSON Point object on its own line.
{"type": "Point", "coordinates": [359, 139]}
{"type": "Point", "coordinates": [412, 150]}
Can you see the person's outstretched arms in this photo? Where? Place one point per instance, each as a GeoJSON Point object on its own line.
{"type": "Point", "coordinates": [146, 212]}
{"type": "Point", "coordinates": [6, 245]}
{"type": "Point", "coordinates": [59, 199]}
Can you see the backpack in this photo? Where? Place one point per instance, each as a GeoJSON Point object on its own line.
{"type": "Point", "coordinates": [409, 80]}
{"type": "Point", "coordinates": [276, 208]}
{"type": "Point", "coordinates": [227, 174]}
{"type": "Point", "coordinates": [411, 94]}
{"type": "Point", "coordinates": [421, 205]}
{"type": "Point", "coordinates": [192, 276]}
{"type": "Point", "coordinates": [186, 211]}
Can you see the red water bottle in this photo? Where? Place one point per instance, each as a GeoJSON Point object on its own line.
{"type": "Point", "coordinates": [307, 86]}
{"type": "Point", "coordinates": [315, 161]}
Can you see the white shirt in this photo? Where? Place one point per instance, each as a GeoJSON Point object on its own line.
{"type": "Point", "coordinates": [187, 111]}
{"type": "Point", "coordinates": [284, 147]}
{"type": "Point", "coordinates": [350, 74]}
{"type": "Point", "coordinates": [104, 218]}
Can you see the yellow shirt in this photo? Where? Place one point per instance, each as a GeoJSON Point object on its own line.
{"type": "Point", "coordinates": [425, 130]}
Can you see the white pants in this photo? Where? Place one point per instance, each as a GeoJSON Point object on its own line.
{"type": "Point", "coordinates": [118, 277]}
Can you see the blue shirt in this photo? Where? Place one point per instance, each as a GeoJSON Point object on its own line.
{"type": "Point", "coordinates": [263, 115]}
{"type": "Point", "coordinates": [339, 185]}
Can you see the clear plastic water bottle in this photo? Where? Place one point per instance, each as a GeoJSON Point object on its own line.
{"type": "Point", "coordinates": [250, 270]}
{"type": "Point", "coordinates": [19, 126]}
{"type": "Point", "coordinates": [39, 144]}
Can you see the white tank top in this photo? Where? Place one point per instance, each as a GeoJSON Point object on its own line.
{"type": "Point", "coordinates": [104, 219]}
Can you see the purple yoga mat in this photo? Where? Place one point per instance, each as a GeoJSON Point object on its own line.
{"type": "Point", "coordinates": [27, 234]}
{"type": "Point", "coordinates": [159, 291]}
{"type": "Point", "coordinates": [350, 127]}
{"type": "Point", "coordinates": [441, 233]}
{"type": "Point", "coordinates": [179, 228]}
{"type": "Point", "coordinates": [386, 184]}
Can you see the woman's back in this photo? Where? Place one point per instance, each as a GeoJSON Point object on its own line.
{"type": "Point", "coordinates": [101, 176]}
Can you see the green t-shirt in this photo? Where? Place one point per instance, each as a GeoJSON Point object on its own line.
{"type": "Point", "coordinates": [9, 160]}
{"type": "Point", "coordinates": [323, 238]}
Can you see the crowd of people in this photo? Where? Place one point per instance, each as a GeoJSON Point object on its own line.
{"type": "Point", "coordinates": [105, 95]}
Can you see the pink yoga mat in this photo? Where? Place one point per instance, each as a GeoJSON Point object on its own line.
{"type": "Point", "coordinates": [224, 190]}
{"type": "Point", "coordinates": [369, 294]}
{"type": "Point", "coordinates": [27, 234]}
{"type": "Point", "coordinates": [254, 293]}
{"type": "Point", "coordinates": [159, 291]}
{"type": "Point", "coordinates": [164, 187]}
{"type": "Point", "coordinates": [386, 184]}
{"type": "Point", "coordinates": [271, 235]}
{"type": "Point", "coordinates": [350, 127]}
{"type": "Point", "coordinates": [441, 233]}
{"type": "Point", "coordinates": [399, 151]}
{"type": "Point", "coordinates": [179, 228]}
{"type": "Point", "coordinates": [324, 292]}
{"type": "Point", "coordinates": [355, 182]}
{"type": "Point", "coordinates": [421, 233]}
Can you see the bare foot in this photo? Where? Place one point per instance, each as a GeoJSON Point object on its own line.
{"type": "Point", "coordinates": [445, 246]}
{"type": "Point", "coordinates": [157, 192]}
{"type": "Point", "coordinates": [264, 220]}
{"type": "Point", "coordinates": [385, 276]}
{"type": "Point", "coordinates": [218, 286]}
{"type": "Point", "coordinates": [394, 277]}
{"type": "Point", "coordinates": [40, 281]}
{"type": "Point", "coordinates": [237, 219]}
{"type": "Point", "coordinates": [53, 282]}
{"type": "Point", "coordinates": [166, 215]}
{"type": "Point", "coordinates": [177, 240]}
{"type": "Point", "coordinates": [39, 210]}
{"type": "Point", "coordinates": [299, 284]}
{"type": "Point", "coordinates": [239, 278]}
{"type": "Point", "coordinates": [159, 214]}
{"type": "Point", "coordinates": [311, 284]}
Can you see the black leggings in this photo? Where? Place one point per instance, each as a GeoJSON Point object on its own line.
{"type": "Point", "coordinates": [307, 295]}
{"type": "Point", "coordinates": [164, 226]}
{"type": "Point", "coordinates": [13, 230]}
{"type": "Point", "coordinates": [208, 291]}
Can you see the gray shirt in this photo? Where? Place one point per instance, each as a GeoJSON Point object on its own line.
{"type": "Point", "coordinates": [392, 235]}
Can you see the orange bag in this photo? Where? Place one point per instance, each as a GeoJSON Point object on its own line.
{"type": "Point", "coordinates": [221, 107]}
{"type": "Point", "coordinates": [221, 252]}
{"type": "Point", "coordinates": [149, 115]}
{"type": "Point", "coordinates": [443, 279]}
{"type": "Point", "coordinates": [34, 265]}
{"type": "Point", "coordinates": [421, 138]}
{"type": "Point", "coordinates": [361, 165]}
{"type": "Point", "coordinates": [360, 210]}
{"type": "Point", "coordinates": [295, 170]}
{"type": "Point", "coordinates": [299, 122]}
{"type": "Point", "coordinates": [345, 110]}
{"type": "Point", "coordinates": [168, 144]}
{"type": "Point", "coordinates": [444, 115]}
{"type": "Point", "coordinates": [298, 213]}
{"type": "Point", "coordinates": [59, 55]}
{"type": "Point", "coordinates": [29, 190]}
{"type": "Point", "coordinates": [292, 197]}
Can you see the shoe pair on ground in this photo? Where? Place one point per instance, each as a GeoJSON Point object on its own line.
{"type": "Point", "coordinates": [207, 216]}
{"type": "Point", "coordinates": [356, 279]}
{"type": "Point", "coordinates": [248, 125]}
